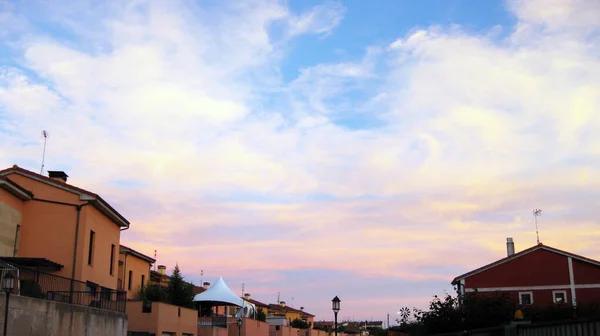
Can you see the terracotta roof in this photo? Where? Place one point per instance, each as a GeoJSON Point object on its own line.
{"type": "Point", "coordinates": [96, 200]}
{"type": "Point", "coordinates": [540, 246]}
{"type": "Point", "coordinates": [278, 307]}
{"type": "Point", "coordinates": [256, 303]}
{"type": "Point", "coordinates": [127, 250]}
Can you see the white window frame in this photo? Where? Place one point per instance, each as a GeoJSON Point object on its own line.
{"type": "Point", "coordinates": [530, 295]}
{"type": "Point", "coordinates": [564, 292]}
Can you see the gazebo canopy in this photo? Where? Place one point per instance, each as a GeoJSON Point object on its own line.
{"type": "Point", "coordinates": [219, 294]}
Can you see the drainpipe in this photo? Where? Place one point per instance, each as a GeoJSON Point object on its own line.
{"type": "Point", "coordinates": [78, 208]}
{"type": "Point", "coordinates": [16, 240]}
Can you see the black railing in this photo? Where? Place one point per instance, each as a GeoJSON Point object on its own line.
{"type": "Point", "coordinates": [33, 283]}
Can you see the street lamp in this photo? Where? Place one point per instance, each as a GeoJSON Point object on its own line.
{"type": "Point", "coordinates": [335, 306]}
{"type": "Point", "coordinates": [8, 283]}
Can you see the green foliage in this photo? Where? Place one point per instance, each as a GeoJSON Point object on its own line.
{"type": "Point", "coordinates": [448, 314]}
{"type": "Point", "coordinates": [377, 332]}
{"type": "Point", "coordinates": [32, 289]}
{"type": "Point", "coordinates": [153, 293]}
{"type": "Point", "coordinates": [261, 315]}
{"type": "Point", "coordinates": [297, 323]}
{"type": "Point", "coordinates": [179, 292]}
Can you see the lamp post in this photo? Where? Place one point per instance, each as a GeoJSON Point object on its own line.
{"type": "Point", "coordinates": [8, 283]}
{"type": "Point", "coordinates": [335, 306]}
{"type": "Point", "coordinates": [239, 323]}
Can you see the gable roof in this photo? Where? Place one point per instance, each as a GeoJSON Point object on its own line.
{"type": "Point", "coordinates": [256, 303]}
{"type": "Point", "coordinates": [538, 247]}
{"type": "Point", "coordinates": [84, 195]}
{"type": "Point", "coordinates": [286, 309]}
{"type": "Point", "coordinates": [127, 250]}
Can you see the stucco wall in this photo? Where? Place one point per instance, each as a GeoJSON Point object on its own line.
{"type": "Point", "coordinates": [138, 267]}
{"type": "Point", "coordinates": [10, 217]}
{"type": "Point", "coordinates": [163, 318]}
{"type": "Point", "coordinates": [35, 317]}
{"type": "Point", "coordinates": [106, 233]}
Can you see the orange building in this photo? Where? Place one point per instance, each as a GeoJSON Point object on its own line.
{"type": "Point", "coordinates": [57, 227]}
{"type": "Point", "coordinates": [134, 270]}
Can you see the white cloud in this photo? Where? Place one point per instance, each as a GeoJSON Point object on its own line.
{"type": "Point", "coordinates": [180, 99]}
{"type": "Point", "coordinates": [321, 19]}
{"type": "Point", "coordinates": [557, 14]}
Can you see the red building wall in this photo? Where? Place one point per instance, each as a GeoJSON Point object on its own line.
{"type": "Point", "coordinates": [537, 268]}
{"type": "Point", "coordinates": [585, 273]}
{"type": "Point", "coordinates": [540, 268]}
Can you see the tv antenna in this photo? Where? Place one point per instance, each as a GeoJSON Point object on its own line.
{"type": "Point", "coordinates": [154, 260]}
{"type": "Point", "coordinates": [201, 275]}
{"type": "Point", "coordinates": [242, 289]}
{"type": "Point", "coordinates": [278, 297]}
{"type": "Point", "coordinates": [45, 135]}
{"type": "Point", "coordinates": [536, 213]}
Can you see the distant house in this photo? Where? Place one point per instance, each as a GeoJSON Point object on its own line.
{"type": "Point", "coordinates": [289, 313]}
{"type": "Point", "coordinates": [259, 305]}
{"type": "Point", "coordinates": [538, 276]}
{"type": "Point", "coordinates": [134, 270]}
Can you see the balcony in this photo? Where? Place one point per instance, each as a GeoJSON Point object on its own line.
{"type": "Point", "coordinates": [33, 283]}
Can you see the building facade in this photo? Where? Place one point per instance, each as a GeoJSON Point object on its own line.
{"type": "Point", "coordinates": [59, 228]}
{"type": "Point", "coordinates": [538, 276]}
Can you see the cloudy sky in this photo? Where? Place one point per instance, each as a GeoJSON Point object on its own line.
{"type": "Point", "coordinates": [372, 150]}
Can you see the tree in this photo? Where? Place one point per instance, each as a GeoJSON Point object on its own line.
{"type": "Point", "coordinates": [297, 323]}
{"type": "Point", "coordinates": [152, 292]}
{"type": "Point", "coordinates": [179, 292]}
{"type": "Point", "coordinates": [261, 315]}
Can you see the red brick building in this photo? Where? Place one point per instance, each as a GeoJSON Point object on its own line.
{"type": "Point", "coordinates": [540, 276]}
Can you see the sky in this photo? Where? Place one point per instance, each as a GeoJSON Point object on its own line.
{"type": "Point", "coordinates": [372, 150]}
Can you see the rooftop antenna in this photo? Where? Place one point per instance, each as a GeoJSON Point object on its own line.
{"type": "Point", "coordinates": [201, 275]}
{"type": "Point", "coordinates": [536, 213]}
{"type": "Point", "coordinates": [45, 135]}
{"type": "Point", "coordinates": [278, 297]}
{"type": "Point", "coordinates": [242, 289]}
{"type": "Point", "coordinates": [154, 260]}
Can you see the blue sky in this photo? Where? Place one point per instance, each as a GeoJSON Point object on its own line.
{"type": "Point", "coordinates": [370, 150]}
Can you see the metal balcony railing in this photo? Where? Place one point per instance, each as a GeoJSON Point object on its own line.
{"type": "Point", "coordinates": [33, 283]}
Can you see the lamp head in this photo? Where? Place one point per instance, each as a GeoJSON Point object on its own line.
{"type": "Point", "coordinates": [8, 281]}
{"type": "Point", "coordinates": [335, 304]}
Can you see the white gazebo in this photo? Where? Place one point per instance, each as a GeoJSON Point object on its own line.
{"type": "Point", "coordinates": [219, 294]}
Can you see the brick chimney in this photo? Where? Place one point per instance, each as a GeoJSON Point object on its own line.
{"type": "Point", "coordinates": [58, 175]}
{"type": "Point", "coordinates": [162, 269]}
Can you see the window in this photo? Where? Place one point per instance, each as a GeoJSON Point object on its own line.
{"type": "Point", "coordinates": [105, 293]}
{"type": "Point", "coordinates": [112, 258]}
{"type": "Point", "coordinates": [525, 298]}
{"type": "Point", "coordinates": [129, 280]}
{"type": "Point", "coordinates": [143, 280]}
{"type": "Point", "coordinates": [91, 288]}
{"type": "Point", "coordinates": [559, 297]}
{"type": "Point", "coordinates": [91, 248]}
